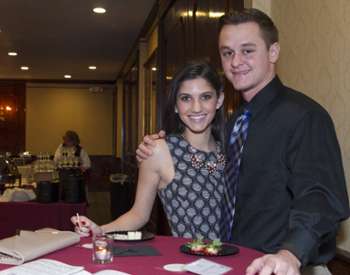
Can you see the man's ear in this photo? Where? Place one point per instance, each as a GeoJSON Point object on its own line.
{"type": "Point", "coordinates": [274, 52]}
{"type": "Point", "coordinates": [220, 101]}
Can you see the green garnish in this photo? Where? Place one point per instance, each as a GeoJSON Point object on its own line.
{"type": "Point", "coordinates": [196, 243]}
{"type": "Point", "coordinates": [216, 243]}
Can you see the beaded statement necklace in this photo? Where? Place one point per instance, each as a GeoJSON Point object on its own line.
{"type": "Point", "coordinates": [198, 161]}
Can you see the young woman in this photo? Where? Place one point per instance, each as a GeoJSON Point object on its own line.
{"type": "Point", "coordinates": [187, 167]}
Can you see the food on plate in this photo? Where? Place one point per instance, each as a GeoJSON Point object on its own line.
{"type": "Point", "coordinates": [213, 248]}
{"type": "Point", "coordinates": [134, 235]}
{"type": "Point", "coordinates": [128, 236]}
{"type": "Point", "coordinates": [198, 246]}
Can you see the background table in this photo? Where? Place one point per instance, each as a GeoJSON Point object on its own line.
{"type": "Point", "coordinates": [144, 265]}
{"type": "Point", "coordinates": [33, 215]}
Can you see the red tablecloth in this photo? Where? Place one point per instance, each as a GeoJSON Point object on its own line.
{"type": "Point", "coordinates": [144, 265]}
{"type": "Point", "coordinates": [33, 215]}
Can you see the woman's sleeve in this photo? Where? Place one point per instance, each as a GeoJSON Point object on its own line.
{"type": "Point", "coordinates": [85, 160]}
{"type": "Point", "coordinates": [58, 153]}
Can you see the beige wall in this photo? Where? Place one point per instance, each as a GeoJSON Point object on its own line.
{"type": "Point", "coordinates": [52, 109]}
{"type": "Point", "coordinates": [315, 59]}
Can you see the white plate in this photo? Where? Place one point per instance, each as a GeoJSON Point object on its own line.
{"type": "Point", "coordinates": [175, 267]}
{"type": "Point", "coordinates": [145, 236]}
{"type": "Point", "coordinates": [110, 272]}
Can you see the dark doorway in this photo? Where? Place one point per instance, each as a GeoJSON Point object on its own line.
{"type": "Point", "coordinates": [12, 117]}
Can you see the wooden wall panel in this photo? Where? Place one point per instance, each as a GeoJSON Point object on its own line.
{"type": "Point", "coordinates": [130, 113]}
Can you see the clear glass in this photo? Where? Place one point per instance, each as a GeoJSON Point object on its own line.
{"type": "Point", "coordinates": [102, 251]}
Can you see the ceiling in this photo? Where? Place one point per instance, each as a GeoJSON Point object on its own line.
{"type": "Point", "coordinates": [58, 37]}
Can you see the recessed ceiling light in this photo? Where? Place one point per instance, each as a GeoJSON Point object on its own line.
{"type": "Point", "coordinates": [99, 10]}
{"type": "Point", "coordinates": [67, 76]}
{"type": "Point", "coordinates": [154, 68]}
{"type": "Point", "coordinates": [24, 68]}
{"type": "Point", "coordinates": [12, 53]}
{"type": "Point", "coordinates": [92, 67]}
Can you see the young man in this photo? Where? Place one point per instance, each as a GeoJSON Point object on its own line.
{"type": "Point", "coordinates": [286, 192]}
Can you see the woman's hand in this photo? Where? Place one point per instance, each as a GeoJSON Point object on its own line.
{"type": "Point", "coordinates": [83, 226]}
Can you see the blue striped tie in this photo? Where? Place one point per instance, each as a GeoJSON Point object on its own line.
{"type": "Point", "coordinates": [234, 155]}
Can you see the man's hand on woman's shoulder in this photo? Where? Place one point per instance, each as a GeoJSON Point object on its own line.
{"type": "Point", "coordinates": [146, 147]}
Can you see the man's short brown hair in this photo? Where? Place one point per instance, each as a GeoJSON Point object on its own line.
{"type": "Point", "coordinates": [268, 29]}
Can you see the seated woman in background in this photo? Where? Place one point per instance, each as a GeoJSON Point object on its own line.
{"type": "Point", "coordinates": [187, 168]}
{"type": "Point", "coordinates": [70, 152]}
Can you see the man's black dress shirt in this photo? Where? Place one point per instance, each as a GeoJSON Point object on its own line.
{"type": "Point", "coordinates": [291, 192]}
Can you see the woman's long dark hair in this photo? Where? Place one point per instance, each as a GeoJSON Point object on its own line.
{"type": "Point", "coordinates": [171, 120]}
